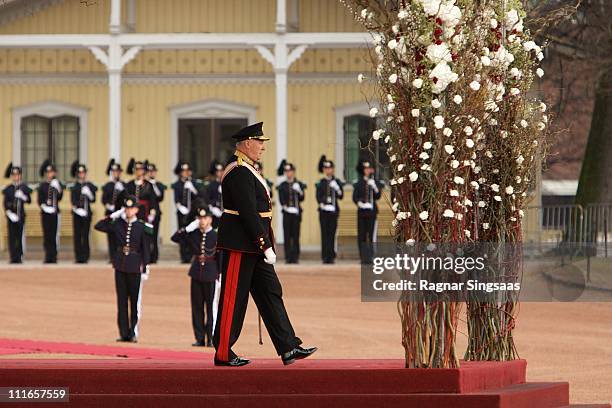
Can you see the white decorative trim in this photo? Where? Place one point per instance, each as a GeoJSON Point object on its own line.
{"type": "Point", "coordinates": [203, 109]}
{"type": "Point", "coordinates": [50, 109]}
{"type": "Point", "coordinates": [171, 79]}
{"type": "Point", "coordinates": [357, 108]}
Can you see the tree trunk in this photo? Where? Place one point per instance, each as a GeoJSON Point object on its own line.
{"type": "Point", "coordinates": [595, 185]}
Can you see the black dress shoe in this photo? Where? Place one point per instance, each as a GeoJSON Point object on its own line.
{"type": "Point", "coordinates": [122, 339]}
{"type": "Point", "coordinates": [234, 362]}
{"type": "Point", "coordinates": [297, 353]}
{"type": "Point", "coordinates": [198, 343]}
{"type": "Point", "coordinates": [209, 343]}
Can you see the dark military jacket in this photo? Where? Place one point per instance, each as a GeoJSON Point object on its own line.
{"type": "Point", "coordinates": [185, 196]}
{"type": "Point", "coordinates": [246, 194]}
{"type": "Point", "coordinates": [49, 195]}
{"type": "Point", "coordinates": [363, 192]}
{"type": "Point", "coordinates": [289, 197]}
{"type": "Point", "coordinates": [11, 203]}
{"type": "Point", "coordinates": [326, 195]}
{"type": "Point", "coordinates": [145, 195]}
{"type": "Point", "coordinates": [80, 200]}
{"type": "Point", "coordinates": [204, 265]}
{"type": "Point", "coordinates": [111, 196]}
{"type": "Point", "coordinates": [159, 190]}
{"type": "Point", "coordinates": [133, 243]}
{"type": "Point", "coordinates": [214, 198]}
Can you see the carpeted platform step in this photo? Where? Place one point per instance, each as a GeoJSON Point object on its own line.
{"type": "Point", "coordinates": [540, 395]}
{"type": "Point", "coordinates": [260, 377]}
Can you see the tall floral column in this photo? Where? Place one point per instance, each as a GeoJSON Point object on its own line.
{"type": "Point", "coordinates": [464, 140]}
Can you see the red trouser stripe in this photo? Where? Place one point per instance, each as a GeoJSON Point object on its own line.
{"type": "Point", "coordinates": [229, 301]}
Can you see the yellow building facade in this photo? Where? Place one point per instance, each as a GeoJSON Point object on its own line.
{"type": "Point", "coordinates": [133, 75]}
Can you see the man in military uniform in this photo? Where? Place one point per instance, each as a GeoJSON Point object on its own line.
{"type": "Point", "coordinates": [329, 191]}
{"type": "Point", "coordinates": [111, 193]}
{"type": "Point", "coordinates": [82, 195]}
{"type": "Point", "coordinates": [186, 192]}
{"type": "Point", "coordinates": [214, 197]}
{"type": "Point", "coordinates": [158, 188]}
{"type": "Point", "coordinates": [291, 194]}
{"type": "Point", "coordinates": [50, 193]}
{"type": "Point", "coordinates": [142, 190]}
{"type": "Point", "coordinates": [16, 195]}
{"type": "Point", "coordinates": [366, 191]}
{"type": "Point", "coordinates": [204, 270]}
{"type": "Point", "coordinates": [247, 244]}
{"type": "Point", "coordinates": [131, 263]}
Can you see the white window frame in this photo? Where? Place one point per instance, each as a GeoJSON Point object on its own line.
{"type": "Point", "coordinates": [50, 109]}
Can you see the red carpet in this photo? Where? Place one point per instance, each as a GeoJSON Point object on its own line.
{"type": "Point", "coordinates": [13, 346]}
{"type": "Point", "coordinates": [160, 378]}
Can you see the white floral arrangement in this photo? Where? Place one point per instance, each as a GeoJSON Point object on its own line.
{"type": "Point", "coordinates": [464, 134]}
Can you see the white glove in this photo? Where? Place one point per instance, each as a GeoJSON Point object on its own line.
{"type": "Point", "coordinates": [117, 214]}
{"type": "Point", "coordinates": [109, 207]}
{"type": "Point", "coordinates": [119, 186]}
{"type": "Point", "coordinates": [365, 206]}
{"type": "Point", "coordinates": [145, 275]}
{"type": "Point", "coordinates": [189, 186]}
{"type": "Point", "coordinates": [151, 217]}
{"type": "Point", "coordinates": [219, 189]}
{"type": "Point", "coordinates": [81, 212]}
{"type": "Point", "coordinates": [334, 184]}
{"type": "Point", "coordinates": [270, 256]}
{"type": "Point", "coordinates": [292, 210]}
{"type": "Point", "coordinates": [182, 209]}
{"type": "Point", "coordinates": [20, 195]}
{"type": "Point", "coordinates": [56, 185]}
{"type": "Point", "coordinates": [193, 225]}
{"type": "Point", "coordinates": [373, 184]}
{"type": "Point", "coordinates": [48, 209]}
{"type": "Point", "coordinates": [216, 211]}
{"type": "Point", "coordinates": [12, 216]}
{"type": "Point", "coordinates": [87, 192]}
{"type": "Point", "coordinates": [153, 181]}
{"type": "Point", "coordinates": [328, 207]}
{"type": "Point", "coordinates": [296, 186]}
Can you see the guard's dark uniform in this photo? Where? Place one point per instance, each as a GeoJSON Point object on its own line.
{"type": "Point", "coordinates": [365, 194]}
{"type": "Point", "coordinates": [214, 197]}
{"type": "Point", "coordinates": [329, 191]}
{"type": "Point", "coordinates": [204, 271]}
{"type": "Point", "coordinates": [50, 194]}
{"type": "Point", "coordinates": [130, 262]}
{"type": "Point", "coordinates": [15, 212]}
{"type": "Point", "coordinates": [112, 193]}
{"type": "Point", "coordinates": [159, 189]}
{"type": "Point", "coordinates": [245, 232]}
{"type": "Point", "coordinates": [291, 194]}
{"type": "Point", "coordinates": [82, 195]}
{"type": "Point", "coordinates": [184, 198]}
{"type": "Point", "coordinates": [143, 191]}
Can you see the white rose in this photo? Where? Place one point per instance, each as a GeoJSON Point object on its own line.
{"type": "Point", "coordinates": [392, 44]}
{"type": "Point", "coordinates": [486, 61]}
{"type": "Point", "coordinates": [413, 176]}
{"type": "Point", "coordinates": [373, 112]}
{"type": "Point", "coordinates": [360, 78]}
{"type": "Point", "coordinates": [427, 145]}
{"type": "Point", "coordinates": [449, 149]}
{"type": "Point", "coordinates": [509, 190]}
{"type": "Point", "coordinates": [448, 213]}
{"type": "Point", "coordinates": [475, 85]}
{"type": "Point", "coordinates": [376, 134]}
{"type": "Point", "coordinates": [454, 193]}
{"type": "Point", "coordinates": [403, 13]}
{"type": "Point", "coordinates": [424, 215]}
{"type": "Point", "coordinates": [438, 122]}
{"type": "Point", "coordinates": [444, 77]}
{"type": "Point", "coordinates": [468, 130]}
{"type": "Point", "coordinates": [415, 113]}
{"type": "Point", "coordinates": [424, 156]}
{"type": "Point", "coordinates": [393, 78]}
{"type": "Point", "coordinates": [497, 198]}
{"type": "Point", "coordinates": [417, 83]}
{"type": "Point", "coordinates": [454, 164]}
{"type": "Point", "coordinates": [435, 103]}
{"type": "Point", "coordinates": [458, 99]}
{"type": "Point", "coordinates": [458, 180]}
{"type": "Point", "coordinates": [422, 130]}
{"type": "Point", "coordinates": [447, 132]}
{"type": "Point", "coordinates": [495, 188]}
{"type": "Point", "coordinates": [469, 143]}
{"type": "Point", "coordinates": [390, 107]}
{"type": "Point", "coordinates": [540, 72]}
